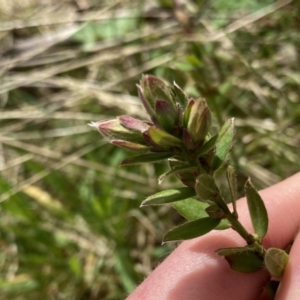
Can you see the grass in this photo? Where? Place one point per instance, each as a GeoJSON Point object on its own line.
{"type": "Point", "coordinates": [71, 226]}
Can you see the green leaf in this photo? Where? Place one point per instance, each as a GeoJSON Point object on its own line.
{"type": "Point", "coordinates": [191, 209]}
{"type": "Point", "coordinates": [208, 145]}
{"type": "Point", "coordinates": [224, 143]}
{"type": "Point", "coordinates": [231, 178]}
{"type": "Point", "coordinates": [146, 158]}
{"type": "Point", "coordinates": [257, 209]}
{"type": "Point", "coordinates": [207, 189]}
{"type": "Point", "coordinates": [191, 229]}
{"type": "Point", "coordinates": [176, 171]}
{"type": "Point", "coordinates": [276, 261]}
{"type": "Point", "coordinates": [242, 259]}
{"type": "Point", "coordinates": [224, 224]}
{"type": "Point", "coordinates": [169, 196]}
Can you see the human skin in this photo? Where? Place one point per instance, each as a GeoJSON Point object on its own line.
{"type": "Point", "coordinates": [194, 271]}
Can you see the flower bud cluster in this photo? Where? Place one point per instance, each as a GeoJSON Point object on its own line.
{"type": "Point", "coordinates": [178, 125]}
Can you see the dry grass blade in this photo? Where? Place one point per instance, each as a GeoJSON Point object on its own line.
{"type": "Point", "coordinates": [79, 161]}
{"type": "Point", "coordinates": [57, 166]}
{"type": "Point", "coordinates": [45, 43]}
{"type": "Point", "coordinates": [16, 162]}
{"type": "Point", "coordinates": [46, 115]}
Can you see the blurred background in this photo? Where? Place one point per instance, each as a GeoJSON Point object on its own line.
{"type": "Point", "coordinates": [70, 222]}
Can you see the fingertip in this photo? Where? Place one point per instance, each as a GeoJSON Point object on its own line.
{"type": "Point", "coordinates": [283, 207]}
{"type": "Point", "coordinates": [290, 285]}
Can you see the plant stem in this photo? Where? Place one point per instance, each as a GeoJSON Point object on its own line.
{"type": "Point", "coordinates": [232, 217]}
{"type": "Point", "coordinates": [238, 227]}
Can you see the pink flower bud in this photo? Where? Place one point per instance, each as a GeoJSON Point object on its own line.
{"type": "Point", "coordinates": [114, 130]}
{"type": "Point", "coordinates": [134, 124]}
{"type": "Point", "coordinates": [159, 102]}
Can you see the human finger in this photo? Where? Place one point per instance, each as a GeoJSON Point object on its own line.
{"type": "Point", "coordinates": [289, 288]}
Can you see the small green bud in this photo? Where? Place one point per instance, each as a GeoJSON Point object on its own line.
{"type": "Point", "coordinates": [197, 120]}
